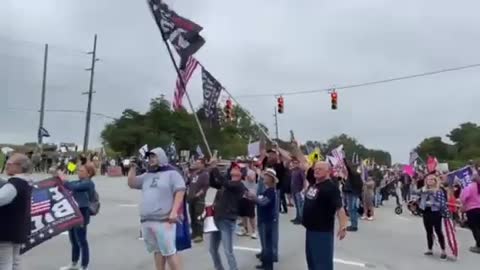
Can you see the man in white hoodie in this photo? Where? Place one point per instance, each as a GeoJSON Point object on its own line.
{"type": "Point", "coordinates": [15, 203]}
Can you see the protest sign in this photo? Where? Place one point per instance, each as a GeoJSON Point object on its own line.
{"type": "Point", "coordinates": [253, 149]}
{"type": "Point", "coordinates": [462, 176]}
{"type": "Point", "coordinates": [53, 211]}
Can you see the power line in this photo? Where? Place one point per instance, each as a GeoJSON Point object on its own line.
{"type": "Point", "coordinates": [348, 86]}
{"type": "Point", "coordinates": [64, 111]}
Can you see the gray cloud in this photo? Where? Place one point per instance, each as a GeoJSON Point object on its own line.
{"type": "Point", "coordinates": [252, 47]}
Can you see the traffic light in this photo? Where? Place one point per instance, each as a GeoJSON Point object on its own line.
{"type": "Point", "coordinates": [280, 104]}
{"type": "Point", "coordinates": [228, 109]}
{"type": "Point", "coordinates": [334, 98]}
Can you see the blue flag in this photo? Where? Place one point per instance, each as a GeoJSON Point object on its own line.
{"type": "Point", "coordinates": [463, 176]}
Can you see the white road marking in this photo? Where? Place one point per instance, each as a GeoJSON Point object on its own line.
{"type": "Point", "coordinates": [128, 205]}
{"type": "Point", "coordinates": [336, 260]}
{"type": "Point", "coordinates": [403, 218]}
{"type": "Point", "coordinates": [247, 249]}
{"type": "Point", "coordinates": [352, 263]}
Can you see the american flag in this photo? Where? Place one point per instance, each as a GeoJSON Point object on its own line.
{"type": "Point", "coordinates": [40, 201]}
{"type": "Point", "coordinates": [451, 236]}
{"type": "Point", "coordinates": [186, 74]}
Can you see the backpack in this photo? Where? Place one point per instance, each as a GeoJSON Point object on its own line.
{"type": "Point", "coordinates": [94, 205]}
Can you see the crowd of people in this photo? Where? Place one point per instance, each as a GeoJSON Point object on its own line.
{"type": "Point", "coordinates": [250, 197]}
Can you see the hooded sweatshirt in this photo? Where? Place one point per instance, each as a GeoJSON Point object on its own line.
{"type": "Point", "coordinates": [158, 189]}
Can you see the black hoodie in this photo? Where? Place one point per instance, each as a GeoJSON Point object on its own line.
{"type": "Point", "coordinates": [229, 194]}
{"type": "Point", "coordinates": [354, 183]}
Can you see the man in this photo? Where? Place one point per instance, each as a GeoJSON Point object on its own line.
{"type": "Point", "coordinates": [15, 203]}
{"type": "Point", "coordinates": [298, 183]}
{"type": "Point", "coordinates": [227, 203]}
{"type": "Point", "coordinates": [163, 190]}
{"type": "Point", "coordinates": [322, 203]}
{"type": "Point", "coordinates": [197, 190]}
{"type": "Point", "coordinates": [352, 188]}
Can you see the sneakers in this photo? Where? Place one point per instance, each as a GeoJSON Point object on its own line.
{"type": "Point", "coordinates": [253, 236]}
{"type": "Point", "coordinates": [443, 256]}
{"type": "Point", "coordinates": [428, 253]}
{"type": "Point", "coordinates": [364, 217]}
{"type": "Point", "coordinates": [198, 239]}
{"type": "Point", "coordinates": [370, 218]}
{"type": "Point", "coordinates": [475, 250]}
{"type": "Point", "coordinates": [352, 229]}
{"type": "Point", "coordinates": [72, 267]}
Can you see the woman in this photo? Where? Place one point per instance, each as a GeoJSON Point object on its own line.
{"type": "Point", "coordinates": [83, 191]}
{"type": "Point", "coordinates": [226, 206]}
{"type": "Point", "coordinates": [470, 198]}
{"type": "Point", "coordinates": [368, 197]}
{"type": "Point", "coordinates": [432, 203]}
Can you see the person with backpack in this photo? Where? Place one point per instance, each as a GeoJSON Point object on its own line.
{"type": "Point", "coordinates": [84, 193]}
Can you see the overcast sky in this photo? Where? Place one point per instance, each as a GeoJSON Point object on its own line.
{"type": "Point", "coordinates": [252, 47]}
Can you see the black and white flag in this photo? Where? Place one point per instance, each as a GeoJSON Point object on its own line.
{"type": "Point", "coordinates": [211, 93]}
{"type": "Point", "coordinates": [181, 32]}
{"type": "Point", "coordinates": [413, 157]}
{"type": "Point", "coordinates": [42, 132]}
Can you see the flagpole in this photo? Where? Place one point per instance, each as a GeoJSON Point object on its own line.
{"type": "Point", "coordinates": [183, 85]}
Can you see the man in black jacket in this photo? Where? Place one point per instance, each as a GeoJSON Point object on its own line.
{"type": "Point", "coordinates": [15, 204]}
{"type": "Point", "coordinates": [352, 189]}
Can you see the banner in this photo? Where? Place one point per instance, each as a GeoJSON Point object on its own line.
{"type": "Point", "coordinates": [211, 93]}
{"type": "Point", "coordinates": [53, 211]}
{"type": "Point", "coordinates": [462, 176]}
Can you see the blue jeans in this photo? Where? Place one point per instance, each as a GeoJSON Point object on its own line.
{"type": "Point", "coordinates": [78, 239]}
{"type": "Point", "coordinates": [266, 239]}
{"type": "Point", "coordinates": [261, 232]}
{"type": "Point", "coordinates": [352, 207]}
{"type": "Point", "coordinates": [319, 250]}
{"type": "Point", "coordinates": [225, 234]}
{"type": "Point", "coordinates": [299, 201]}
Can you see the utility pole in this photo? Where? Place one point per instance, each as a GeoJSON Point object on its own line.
{"type": "Point", "coordinates": [276, 121]}
{"type": "Point", "coordinates": [42, 104]}
{"type": "Point", "coordinates": [90, 94]}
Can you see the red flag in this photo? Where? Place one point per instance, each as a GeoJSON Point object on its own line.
{"type": "Point", "coordinates": [432, 163]}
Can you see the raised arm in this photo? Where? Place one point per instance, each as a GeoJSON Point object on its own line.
{"type": "Point", "coordinates": [79, 185]}
{"type": "Point", "coordinates": [134, 181]}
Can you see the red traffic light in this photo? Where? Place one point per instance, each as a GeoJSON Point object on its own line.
{"type": "Point", "coordinates": [334, 95]}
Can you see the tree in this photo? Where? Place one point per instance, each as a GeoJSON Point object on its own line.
{"type": "Point", "coordinates": [160, 126]}
{"type": "Point", "coordinates": [465, 147]}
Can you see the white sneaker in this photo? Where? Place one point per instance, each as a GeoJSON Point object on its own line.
{"type": "Point", "coordinates": [70, 267]}
{"type": "Point", "coordinates": [370, 218]}
{"type": "Point", "coordinates": [254, 236]}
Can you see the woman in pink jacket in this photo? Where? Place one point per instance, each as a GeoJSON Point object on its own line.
{"type": "Point", "coordinates": [470, 198]}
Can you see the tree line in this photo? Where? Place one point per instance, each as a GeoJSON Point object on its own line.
{"type": "Point", "coordinates": [464, 146]}
{"type": "Point", "coordinates": [160, 126]}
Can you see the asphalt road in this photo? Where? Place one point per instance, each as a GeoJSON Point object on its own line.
{"type": "Point", "coordinates": [390, 242]}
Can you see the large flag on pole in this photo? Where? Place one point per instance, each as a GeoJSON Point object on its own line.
{"type": "Point", "coordinates": [181, 32]}
{"type": "Point", "coordinates": [211, 93]}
